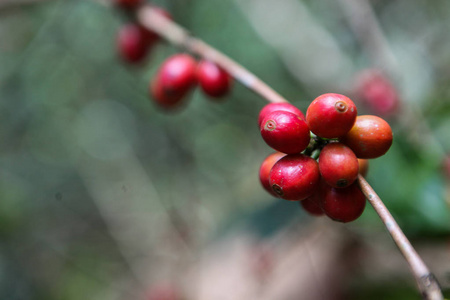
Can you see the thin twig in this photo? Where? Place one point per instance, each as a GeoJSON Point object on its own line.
{"type": "Point", "coordinates": [180, 37]}
{"type": "Point", "coordinates": [428, 285]}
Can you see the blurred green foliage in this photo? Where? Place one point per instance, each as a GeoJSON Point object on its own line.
{"type": "Point", "coordinates": [83, 149]}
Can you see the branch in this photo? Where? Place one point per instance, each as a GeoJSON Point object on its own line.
{"type": "Point", "coordinates": [427, 283]}
{"type": "Point", "coordinates": [178, 36]}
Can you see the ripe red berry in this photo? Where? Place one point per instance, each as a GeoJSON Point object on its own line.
{"type": "Point", "coordinates": [363, 166]}
{"type": "Point", "coordinates": [338, 165]}
{"type": "Point", "coordinates": [285, 132]}
{"type": "Point", "coordinates": [294, 177]}
{"type": "Point", "coordinates": [331, 115]}
{"type": "Point", "coordinates": [377, 92]}
{"type": "Point", "coordinates": [215, 81]}
{"type": "Point", "coordinates": [265, 168]}
{"type": "Point", "coordinates": [132, 43]}
{"type": "Point", "coordinates": [177, 74]}
{"type": "Point", "coordinates": [370, 137]}
{"type": "Point", "coordinates": [279, 106]}
{"type": "Point", "coordinates": [312, 204]}
{"type": "Point", "coordinates": [343, 205]}
{"type": "Point", "coordinates": [128, 4]}
{"type": "Point", "coordinates": [163, 99]}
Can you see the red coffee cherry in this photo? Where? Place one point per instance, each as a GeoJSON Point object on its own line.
{"type": "Point", "coordinates": [215, 81]}
{"type": "Point", "coordinates": [338, 165]}
{"type": "Point", "coordinates": [285, 132]}
{"type": "Point", "coordinates": [177, 74]}
{"type": "Point", "coordinates": [132, 43]}
{"type": "Point", "coordinates": [370, 137]}
{"type": "Point", "coordinates": [168, 101]}
{"type": "Point", "coordinates": [363, 166]}
{"type": "Point", "coordinates": [331, 115]}
{"type": "Point", "coordinates": [312, 204]}
{"type": "Point", "coordinates": [343, 205]}
{"type": "Point", "coordinates": [294, 177]}
{"type": "Point", "coordinates": [127, 4]}
{"type": "Point", "coordinates": [265, 168]}
{"type": "Point", "coordinates": [279, 106]}
{"type": "Point", "coordinates": [377, 92]}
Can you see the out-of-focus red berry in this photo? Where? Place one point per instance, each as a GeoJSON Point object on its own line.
{"type": "Point", "coordinates": [132, 43]}
{"type": "Point", "coordinates": [265, 168]}
{"type": "Point", "coordinates": [285, 132]}
{"type": "Point", "coordinates": [127, 4]}
{"type": "Point", "coordinates": [214, 81]}
{"type": "Point", "coordinates": [295, 177]}
{"type": "Point", "coordinates": [377, 92]}
{"type": "Point", "coordinates": [331, 115]}
{"type": "Point", "coordinates": [343, 205]}
{"type": "Point", "coordinates": [338, 165]}
{"type": "Point", "coordinates": [163, 292]}
{"type": "Point", "coordinates": [177, 74]}
{"type": "Point", "coordinates": [370, 137]}
{"type": "Point", "coordinates": [167, 101]}
{"type": "Point", "coordinates": [271, 107]}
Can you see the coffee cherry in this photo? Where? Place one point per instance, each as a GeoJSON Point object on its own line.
{"type": "Point", "coordinates": [265, 168]}
{"type": "Point", "coordinates": [377, 92]}
{"type": "Point", "coordinates": [363, 166]}
{"type": "Point", "coordinates": [312, 204]}
{"type": "Point", "coordinates": [168, 101]}
{"type": "Point", "coordinates": [279, 106]}
{"type": "Point", "coordinates": [294, 177]}
{"type": "Point", "coordinates": [132, 43]}
{"type": "Point", "coordinates": [127, 4]}
{"type": "Point", "coordinates": [331, 115]}
{"type": "Point", "coordinates": [338, 165]}
{"type": "Point", "coordinates": [285, 132]}
{"type": "Point", "coordinates": [370, 137]}
{"type": "Point", "coordinates": [214, 81]}
{"type": "Point", "coordinates": [343, 205]}
{"type": "Point", "coordinates": [177, 74]}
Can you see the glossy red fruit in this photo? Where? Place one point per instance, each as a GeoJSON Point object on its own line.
{"type": "Point", "coordinates": [168, 101]}
{"type": "Point", "coordinates": [214, 81]}
{"type": "Point", "coordinates": [177, 74]}
{"type": "Point", "coordinates": [128, 4]}
{"type": "Point", "coordinates": [312, 205]}
{"type": "Point", "coordinates": [343, 205]}
{"type": "Point", "coordinates": [338, 165]}
{"type": "Point", "coordinates": [377, 92]}
{"type": "Point", "coordinates": [132, 43]}
{"type": "Point", "coordinates": [363, 166]}
{"type": "Point", "coordinates": [279, 106]}
{"type": "Point", "coordinates": [285, 132]}
{"type": "Point", "coordinates": [294, 177]}
{"type": "Point", "coordinates": [265, 168]}
{"type": "Point", "coordinates": [370, 137]}
{"type": "Point", "coordinates": [331, 115]}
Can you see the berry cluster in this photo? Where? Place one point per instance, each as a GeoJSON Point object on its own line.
{"type": "Point", "coordinates": [180, 73]}
{"type": "Point", "coordinates": [331, 133]}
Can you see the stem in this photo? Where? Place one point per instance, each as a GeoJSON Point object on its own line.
{"type": "Point", "coordinates": [427, 283]}
{"type": "Point", "coordinates": [179, 36]}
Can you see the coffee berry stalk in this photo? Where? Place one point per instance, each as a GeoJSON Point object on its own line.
{"type": "Point", "coordinates": [366, 136]}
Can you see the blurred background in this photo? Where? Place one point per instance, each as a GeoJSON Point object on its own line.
{"type": "Point", "coordinates": [105, 196]}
